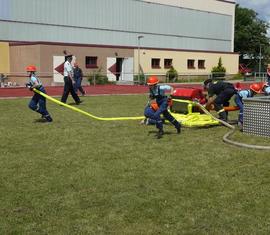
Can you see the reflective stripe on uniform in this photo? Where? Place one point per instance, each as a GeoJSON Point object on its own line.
{"type": "Point", "coordinates": [220, 111]}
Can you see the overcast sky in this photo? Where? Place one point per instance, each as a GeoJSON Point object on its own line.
{"type": "Point", "coordinates": [262, 7]}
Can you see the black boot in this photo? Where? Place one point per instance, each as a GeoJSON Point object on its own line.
{"type": "Point", "coordinates": [223, 116]}
{"type": "Point", "coordinates": [160, 134]}
{"type": "Point", "coordinates": [177, 125]}
{"type": "Point", "coordinates": [178, 128]}
{"type": "Point", "coordinates": [48, 118]}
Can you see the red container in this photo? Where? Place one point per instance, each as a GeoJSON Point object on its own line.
{"type": "Point", "coordinates": [189, 94]}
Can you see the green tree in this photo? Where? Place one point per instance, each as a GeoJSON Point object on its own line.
{"type": "Point", "coordinates": [219, 70]}
{"type": "Point", "coordinates": [250, 36]}
{"type": "Point", "coordinates": [172, 74]}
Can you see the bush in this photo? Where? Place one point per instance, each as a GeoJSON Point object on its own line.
{"type": "Point", "coordinates": [219, 70]}
{"type": "Point", "coordinates": [97, 78]}
{"type": "Point", "coordinates": [172, 74]}
{"type": "Point", "coordinates": [139, 79]}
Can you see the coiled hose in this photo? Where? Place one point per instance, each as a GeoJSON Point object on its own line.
{"type": "Point", "coordinates": [231, 132]}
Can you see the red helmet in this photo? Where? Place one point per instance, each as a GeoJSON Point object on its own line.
{"type": "Point", "coordinates": [152, 80]}
{"type": "Point", "coordinates": [255, 87]}
{"type": "Point", "coordinates": [31, 68]}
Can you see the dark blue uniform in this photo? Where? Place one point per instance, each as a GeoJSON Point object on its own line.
{"type": "Point", "coordinates": [158, 92]}
{"type": "Point", "coordinates": [224, 92]}
{"type": "Point", "coordinates": [238, 100]}
{"type": "Point", "coordinates": [38, 102]}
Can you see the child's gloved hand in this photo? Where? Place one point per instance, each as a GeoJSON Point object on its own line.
{"type": "Point", "coordinates": [29, 86]}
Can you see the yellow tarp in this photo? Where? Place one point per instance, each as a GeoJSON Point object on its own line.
{"type": "Point", "coordinates": [195, 119]}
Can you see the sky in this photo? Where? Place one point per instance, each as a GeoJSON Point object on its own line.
{"type": "Point", "coordinates": [262, 7]}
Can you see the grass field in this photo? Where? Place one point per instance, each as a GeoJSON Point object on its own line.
{"type": "Point", "coordinates": [82, 176]}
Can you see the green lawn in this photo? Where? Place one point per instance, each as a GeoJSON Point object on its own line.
{"type": "Point", "coordinates": [82, 176]}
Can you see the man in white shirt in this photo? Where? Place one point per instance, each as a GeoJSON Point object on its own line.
{"type": "Point", "coordinates": [68, 77]}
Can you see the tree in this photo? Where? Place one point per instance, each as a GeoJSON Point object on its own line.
{"type": "Point", "coordinates": [219, 70]}
{"type": "Point", "coordinates": [172, 74]}
{"type": "Point", "coordinates": [250, 36]}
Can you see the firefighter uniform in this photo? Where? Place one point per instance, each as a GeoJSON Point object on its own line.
{"type": "Point", "coordinates": [223, 92]}
{"type": "Point", "coordinates": [239, 102]}
{"type": "Point", "coordinates": [38, 102]}
{"type": "Point", "coordinates": [157, 92]}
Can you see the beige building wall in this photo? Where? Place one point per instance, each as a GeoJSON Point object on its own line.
{"type": "Point", "coordinates": [4, 58]}
{"type": "Point", "coordinates": [221, 7]}
{"type": "Point", "coordinates": [20, 57]}
{"type": "Point", "coordinates": [41, 55]}
{"type": "Point", "coordinates": [179, 60]}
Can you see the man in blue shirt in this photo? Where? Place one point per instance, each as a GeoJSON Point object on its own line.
{"type": "Point", "coordinates": [78, 76]}
{"type": "Point", "coordinates": [157, 92]}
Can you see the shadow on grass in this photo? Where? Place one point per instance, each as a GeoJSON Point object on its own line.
{"type": "Point", "coordinates": [40, 120]}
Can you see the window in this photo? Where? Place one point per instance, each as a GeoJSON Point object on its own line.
{"type": "Point", "coordinates": [91, 62]}
{"type": "Point", "coordinates": [201, 64]}
{"type": "Point", "coordinates": [167, 63]}
{"type": "Point", "coordinates": [155, 63]}
{"type": "Point", "coordinates": [190, 64]}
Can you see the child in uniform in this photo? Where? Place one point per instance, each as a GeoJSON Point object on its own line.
{"type": "Point", "coordinates": [38, 102]}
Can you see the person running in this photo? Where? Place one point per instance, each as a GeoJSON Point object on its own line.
{"type": "Point", "coordinates": [38, 102]}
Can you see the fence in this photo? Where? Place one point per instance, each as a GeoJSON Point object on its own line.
{"type": "Point", "coordinates": [19, 78]}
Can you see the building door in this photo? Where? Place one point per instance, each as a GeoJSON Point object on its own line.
{"type": "Point", "coordinates": [127, 69]}
{"type": "Point", "coordinates": [111, 68]}
{"type": "Point", "coordinates": [58, 69]}
{"type": "Point", "coordinates": [120, 69]}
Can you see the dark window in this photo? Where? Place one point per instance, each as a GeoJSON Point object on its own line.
{"type": "Point", "coordinates": [190, 64]}
{"type": "Point", "coordinates": [167, 63]}
{"type": "Point", "coordinates": [201, 64]}
{"type": "Point", "coordinates": [155, 63]}
{"type": "Point", "coordinates": [91, 62]}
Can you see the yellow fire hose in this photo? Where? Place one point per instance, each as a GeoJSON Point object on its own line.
{"type": "Point", "coordinates": [230, 133]}
{"type": "Point", "coordinates": [86, 113]}
{"type": "Point", "coordinates": [225, 137]}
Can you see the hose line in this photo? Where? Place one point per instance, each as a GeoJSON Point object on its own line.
{"type": "Point", "coordinates": [231, 132]}
{"type": "Point", "coordinates": [86, 113]}
{"type": "Point", "coordinates": [225, 137]}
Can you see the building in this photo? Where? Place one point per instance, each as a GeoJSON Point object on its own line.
{"type": "Point", "coordinates": [115, 36]}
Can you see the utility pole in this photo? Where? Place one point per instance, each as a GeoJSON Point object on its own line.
{"type": "Point", "coordinates": [139, 54]}
{"type": "Point", "coordinates": [260, 62]}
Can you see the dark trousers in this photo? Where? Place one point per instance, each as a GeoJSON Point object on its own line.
{"type": "Point", "coordinates": [239, 103]}
{"type": "Point", "coordinates": [223, 98]}
{"type": "Point", "coordinates": [38, 103]}
{"type": "Point", "coordinates": [68, 87]}
{"type": "Point", "coordinates": [78, 86]}
{"type": "Point", "coordinates": [163, 109]}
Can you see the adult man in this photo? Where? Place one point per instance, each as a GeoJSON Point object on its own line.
{"type": "Point", "coordinates": [78, 76]}
{"type": "Point", "coordinates": [219, 93]}
{"type": "Point", "coordinates": [68, 77]}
